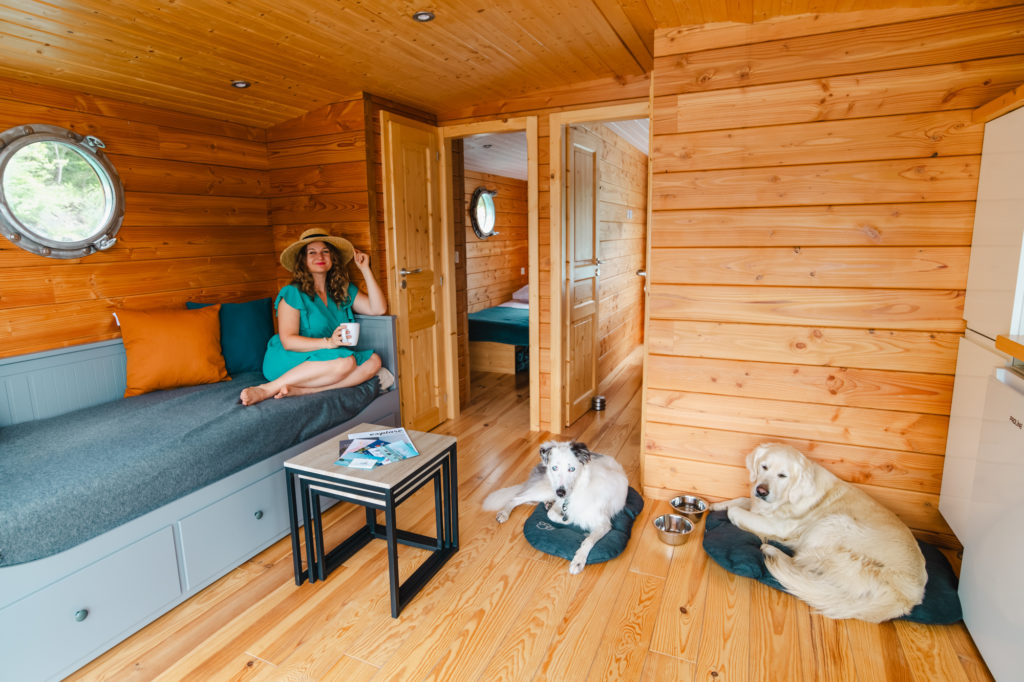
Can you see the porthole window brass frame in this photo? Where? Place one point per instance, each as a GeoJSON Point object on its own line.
{"type": "Point", "coordinates": [89, 148]}
{"type": "Point", "coordinates": [485, 229]}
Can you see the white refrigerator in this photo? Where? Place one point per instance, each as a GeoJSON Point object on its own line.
{"type": "Point", "coordinates": [985, 446]}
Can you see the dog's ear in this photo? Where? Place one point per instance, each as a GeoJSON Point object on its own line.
{"type": "Point", "coordinates": [581, 451]}
{"type": "Point", "coordinates": [754, 460]}
{"type": "Point", "coordinates": [545, 451]}
{"type": "Point", "coordinates": [804, 488]}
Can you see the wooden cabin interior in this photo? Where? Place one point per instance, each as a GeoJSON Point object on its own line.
{"type": "Point", "coordinates": [801, 202]}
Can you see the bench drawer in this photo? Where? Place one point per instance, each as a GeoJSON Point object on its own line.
{"type": "Point", "coordinates": [48, 632]}
{"type": "Point", "coordinates": [226, 533]}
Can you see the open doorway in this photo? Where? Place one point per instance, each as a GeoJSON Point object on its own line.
{"type": "Point", "coordinates": [493, 173]}
{"type": "Point", "coordinates": [598, 249]}
{"type": "Point", "coordinates": [494, 210]}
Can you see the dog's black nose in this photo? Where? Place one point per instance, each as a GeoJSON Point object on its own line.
{"type": "Point", "coordinates": [761, 490]}
{"type": "Point", "coordinates": [560, 492]}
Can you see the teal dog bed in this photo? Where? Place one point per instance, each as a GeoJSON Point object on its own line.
{"type": "Point", "coordinates": [739, 552]}
{"type": "Point", "coordinates": [564, 539]}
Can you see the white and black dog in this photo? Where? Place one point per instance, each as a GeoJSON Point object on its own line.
{"type": "Point", "coordinates": [576, 485]}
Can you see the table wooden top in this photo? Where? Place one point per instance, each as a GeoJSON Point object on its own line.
{"type": "Point", "coordinates": [320, 459]}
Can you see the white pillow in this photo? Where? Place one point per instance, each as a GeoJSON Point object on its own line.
{"type": "Point", "coordinates": [522, 295]}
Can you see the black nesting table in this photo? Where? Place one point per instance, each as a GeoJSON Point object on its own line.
{"type": "Point", "coordinates": [379, 489]}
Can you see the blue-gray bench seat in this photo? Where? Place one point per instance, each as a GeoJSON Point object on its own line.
{"type": "Point", "coordinates": [69, 478]}
{"type": "Point", "coordinates": [76, 458]}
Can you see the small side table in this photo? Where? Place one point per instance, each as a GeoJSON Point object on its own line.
{"type": "Point", "coordinates": [381, 488]}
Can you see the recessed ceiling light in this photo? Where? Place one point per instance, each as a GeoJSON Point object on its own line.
{"type": "Point", "coordinates": [241, 85]}
{"type": "Point", "coordinates": [423, 16]}
{"type": "Point", "coordinates": [487, 146]}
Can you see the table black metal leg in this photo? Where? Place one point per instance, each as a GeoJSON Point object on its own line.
{"type": "Point", "coordinates": [440, 525]}
{"type": "Point", "coordinates": [453, 498]}
{"type": "Point", "coordinates": [293, 524]}
{"type": "Point", "coordinates": [307, 513]}
{"type": "Point", "coordinates": [318, 535]}
{"type": "Point", "coordinates": [389, 530]}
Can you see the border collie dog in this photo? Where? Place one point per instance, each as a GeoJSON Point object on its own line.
{"type": "Point", "coordinates": [577, 486]}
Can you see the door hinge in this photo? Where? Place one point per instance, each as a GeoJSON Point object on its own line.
{"type": "Point", "coordinates": [442, 280]}
{"type": "Point", "coordinates": [438, 156]}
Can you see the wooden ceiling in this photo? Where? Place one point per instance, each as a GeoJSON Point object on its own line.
{"type": "Point", "coordinates": [302, 54]}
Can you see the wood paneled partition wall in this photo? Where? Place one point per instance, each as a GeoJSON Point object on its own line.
{"type": "Point", "coordinates": [319, 177]}
{"type": "Point", "coordinates": [812, 211]}
{"type": "Point", "coordinates": [195, 226]}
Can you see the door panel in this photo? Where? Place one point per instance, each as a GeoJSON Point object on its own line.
{"type": "Point", "coordinates": [583, 271]}
{"type": "Point", "coordinates": [413, 201]}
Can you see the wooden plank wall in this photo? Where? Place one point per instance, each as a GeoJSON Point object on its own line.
{"type": "Point", "coordinates": [542, 104]}
{"type": "Point", "coordinates": [813, 198]}
{"type": "Point", "coordinates": [320, 177]}
{"type": "Point", "coordinates": [459, 218]}
{"type": "Point", "coordinates": [497, 266]}
{"type": "Point", "coordinates": [195, 224]}
{"type": "Point", "coordinates": [622, 230]}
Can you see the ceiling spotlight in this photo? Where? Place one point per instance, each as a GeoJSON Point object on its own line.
{"type": "Point", "coordinates": [423, 16]}
{"type": "Point", "coordinates": [487, 146]}
{"type": "Point", "coordinates": [241, 85]}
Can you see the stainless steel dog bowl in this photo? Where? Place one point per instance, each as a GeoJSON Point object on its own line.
{"type": "Point", "coordinates": [673, 529]}
{"type": "Point", "coordinates": [690, 506]}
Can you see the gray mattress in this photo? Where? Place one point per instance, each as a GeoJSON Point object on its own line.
{"type": "Point", "coordinates": [70, 478]}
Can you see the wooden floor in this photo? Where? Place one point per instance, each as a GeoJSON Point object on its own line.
{"type": "Point", "coordinates": [499, 610]}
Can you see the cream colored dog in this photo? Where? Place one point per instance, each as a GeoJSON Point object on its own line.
{"type": "Point", "coordinates": [853, 557]}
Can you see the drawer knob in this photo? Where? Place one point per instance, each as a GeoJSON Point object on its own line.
{"type": "Point", "coordinates": [258, 514]}
{"type": "Point", "coordinates": [81, 614]}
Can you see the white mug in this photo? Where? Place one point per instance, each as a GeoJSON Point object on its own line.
{"type": "Point", "coordinates": [349, 333]}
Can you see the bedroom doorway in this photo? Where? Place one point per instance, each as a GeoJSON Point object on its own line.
{"type": "Point", "coordinates": [600, 192]}
{"type": "Point", "coordinates": [492, 166]}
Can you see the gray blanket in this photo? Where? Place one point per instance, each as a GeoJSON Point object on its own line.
{"type": "Point", "coordinates": [70, 478]}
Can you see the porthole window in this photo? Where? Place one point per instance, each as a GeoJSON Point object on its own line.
{"type": "Point", "coordinates": [481, 212]}
{"type": "Point", "coordinates": [59, 194]}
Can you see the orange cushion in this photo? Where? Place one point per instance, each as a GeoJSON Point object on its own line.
{"type": "Point", "coordinates": [171, 347]}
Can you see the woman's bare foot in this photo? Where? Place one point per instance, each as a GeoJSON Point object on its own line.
{"type": "Point", "coordinates": [293, 390]}
{"type": "Point", "coordinates": [253, 395]}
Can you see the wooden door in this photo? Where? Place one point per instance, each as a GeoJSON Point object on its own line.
{"type": "Point", "coordinates": [583, 270]}
{"type": "Point", "coordinates": [412, 197]}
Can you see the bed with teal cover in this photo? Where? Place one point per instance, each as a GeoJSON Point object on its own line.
{"type": "Point", "coordinates": [501, 324]}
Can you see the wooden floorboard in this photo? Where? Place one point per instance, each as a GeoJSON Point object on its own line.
{"type": "Point", "coordinates": [500, 610]}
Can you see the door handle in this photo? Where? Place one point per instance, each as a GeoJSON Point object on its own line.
{"type": "Point", "coordinates": [403, 272]}
{"type": "Point", "coordinates": [641, 273]}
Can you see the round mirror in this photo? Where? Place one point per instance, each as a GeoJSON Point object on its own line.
{"type": "Point", "coordinates": [59, 195]}
{"type": "Point", "coordinates": [481, 212]}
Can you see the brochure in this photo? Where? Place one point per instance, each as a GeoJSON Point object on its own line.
{"type": "Point", "coordinates": [374, 448]}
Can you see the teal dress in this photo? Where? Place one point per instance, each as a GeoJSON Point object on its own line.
{"type": "Point", "coordinates": [315, 320]}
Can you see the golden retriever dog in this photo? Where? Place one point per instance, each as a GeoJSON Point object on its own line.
{"type": "Point", "coordinates": [853, 557]}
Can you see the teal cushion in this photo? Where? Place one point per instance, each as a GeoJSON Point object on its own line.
{"type": "Point", "coordinates": [245, 329]}
{"type": "Point", "coordinates": [564, 539]}
{"type": "Point", "coordinates": [739, 552]}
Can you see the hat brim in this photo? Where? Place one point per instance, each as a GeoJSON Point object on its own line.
{"type": "Point", "coordinates": [291, 252]}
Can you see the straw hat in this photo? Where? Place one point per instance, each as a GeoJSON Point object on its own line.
{"type": "Point", "coordinates": [315, 234]}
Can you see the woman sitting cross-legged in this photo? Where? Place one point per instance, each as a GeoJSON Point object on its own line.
{"type": "Point", "coordinates": [309, 353]}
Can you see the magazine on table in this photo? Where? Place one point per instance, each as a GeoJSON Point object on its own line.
{"type": "Point", "coordinates": [371, 449]}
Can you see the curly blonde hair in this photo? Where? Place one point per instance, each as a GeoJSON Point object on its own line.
{"type": "Point", "coordinates": [337, 276]}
